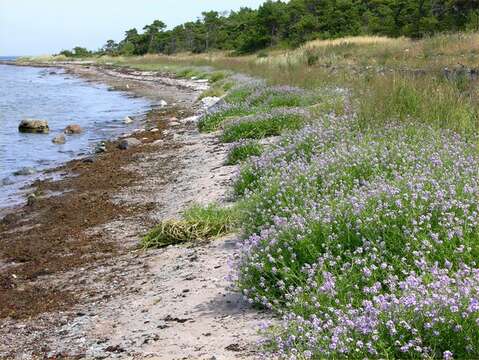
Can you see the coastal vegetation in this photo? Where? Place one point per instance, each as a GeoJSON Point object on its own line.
{"type": "Point", "coordinates": [359, 217]}
{"type": "Point", "coordinates": [356, 196]}
{"type": "Point", "coordinates": [292, 23]}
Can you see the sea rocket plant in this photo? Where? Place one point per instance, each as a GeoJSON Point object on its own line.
{"type": "Point", "coordinates": [365, 241]}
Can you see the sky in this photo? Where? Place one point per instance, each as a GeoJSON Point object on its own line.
{"type": "Point", "coordinates": [40, 27]}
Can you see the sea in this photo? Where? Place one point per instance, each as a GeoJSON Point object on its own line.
{"type": "Point", "coordinates": [61, 99]}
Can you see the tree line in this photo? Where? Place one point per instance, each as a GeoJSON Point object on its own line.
{"type": "Point", "coordinates": [289, 24]}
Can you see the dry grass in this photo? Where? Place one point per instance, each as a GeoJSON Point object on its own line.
{"type": "Point", "coordinates": [371, 67]}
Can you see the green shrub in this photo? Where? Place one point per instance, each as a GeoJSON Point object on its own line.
{"type": "Point", "coordinates": [216, 76]}
{"type": "Point", "coordinates": [269, 125]}
{"type": "Point", "coordinates": [238, 95]}
{"type": "Point", "coordinates": [212, 122]}
{"type": "Point", "coordinates": [243, 151]}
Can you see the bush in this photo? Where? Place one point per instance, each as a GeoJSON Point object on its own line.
{"type": "Point", "coordinates": [262, 125]}
{"type": "Point", "coordinates": [242, 151]}
{"type": "Point", "coordinates": [213, 121]}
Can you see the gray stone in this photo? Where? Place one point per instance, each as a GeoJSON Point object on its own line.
{"type": "Point", "coordinates": [127, 120]}
{"type": "Point", "coordinates": [128, 143]}
{"type": "Point", "coordinates": [190, 120]}
{"type": "Point", "coordinates": [73, 129]}
{"type": "Point", "coordinates": [212, 103]}
{"type": "Point", "coordinates": [25, 171]}
{"type": "Point", "coordinates": [100, 147]}
{"type": "Point", "coordinates": [34, 126]}
{"type": "Point", "coordinates": [59, 139]}
{"type": "Point", "coordinates": [162, 103]}
{"type": "Point", "coordinates": [7, 181]}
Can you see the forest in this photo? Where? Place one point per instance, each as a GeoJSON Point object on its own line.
{"type": "Point", "coordinates": [289, 24]}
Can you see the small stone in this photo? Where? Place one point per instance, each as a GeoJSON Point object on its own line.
{"type": "Point", "coordinates": [233, 347]}
{"type": "Point", "coordinates": [59, 139]}
{"type": "Point", "coordinates": [128, 143]}
{"type": "Point", "coordinates": [73, 129]}
{"type": "Point", "coordinates": [100, 147]}
{"type": "Point", "coordinates": [34, 126]}
{"type": "Point", "coordinates": [127, 120]}
{"type": "Point", "coordinates": [7, 181]}
{"type": "Point", "coordinates": [175, 123]}
{"type": "Point", "coordinates": [25, 171]}
{"type": "Point", "coordinates": [190, 120]}
{"type": "Point", "coordinates": [162, 103]}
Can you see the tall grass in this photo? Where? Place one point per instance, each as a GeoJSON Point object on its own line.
{"type": "Point", "coordinates": [425, 100]}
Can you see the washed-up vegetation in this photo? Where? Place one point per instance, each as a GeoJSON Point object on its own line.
{"type": "Point", "coordinates": [198, 223]}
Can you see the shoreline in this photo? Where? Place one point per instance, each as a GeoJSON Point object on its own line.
{"type": "Point", "coordinates": [97, 74]}
{"type": "Point", "coordinates": [72, 256]}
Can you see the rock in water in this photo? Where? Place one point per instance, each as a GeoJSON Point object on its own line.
{"type": "Point", "coordinates": [128, 143]}
{"type": "Point", "coordinates": [34, 126]}
{"type": "Point", "coordinates": [73, 129]}
{"type": "Point", "coordinates": [7, 181]}
{"type": "Point", "coordinates": [59, 139]}
{"type": "Point", "coordinates": [127, 120]}
{"type": "Point", "coordinates": [25, 171]}
{"type": "Point", "coordinates": [163, 103]}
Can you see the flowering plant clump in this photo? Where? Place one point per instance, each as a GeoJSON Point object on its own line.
{"type": "Point", "coordinates": [365, 241]}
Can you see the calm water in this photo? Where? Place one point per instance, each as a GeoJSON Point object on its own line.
{"type": "Point", "coordinates": [61, 99]}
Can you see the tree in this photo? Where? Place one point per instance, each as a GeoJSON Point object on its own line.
{"type": "Point", "coordinates": [110, 48]}
{"type": "Point", "coordinates": [151, 34]}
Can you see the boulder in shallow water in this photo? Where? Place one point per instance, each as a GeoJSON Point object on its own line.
{"type": "Point", "coordinates": [59, 139]}
{"type": "Point", "coordinates": [128, 143]}
{"type": "Point", "coordinates": [7, 181]}
{"type": "Point", "coordinates": [127, 120]}
{"type": "Point", "coordinates": [73, 129]}
{"type": "Point", "coordinates": [34, 126]}
{"type": "Point", "coordinates": [25, 171]}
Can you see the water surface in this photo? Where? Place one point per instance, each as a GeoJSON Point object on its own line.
{"type": "Point", "coordinates": [61, 99]}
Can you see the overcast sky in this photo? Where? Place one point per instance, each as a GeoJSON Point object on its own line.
{"type": "Point", "coordinates": [37, 27]}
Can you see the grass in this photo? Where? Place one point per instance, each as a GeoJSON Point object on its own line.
{"type": "Point", "coordinates": [212, 122]}
{"type": "Point", "coordinates": [243, 151]}
{"type": "Point", "coordinates": [370, 67]}
{"type": "Point", "coordinates": [198, 223]}
{"type": "Point", "coordinates": [439, 102]}
{"type": "Point", "coordinates": [262, 126]}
